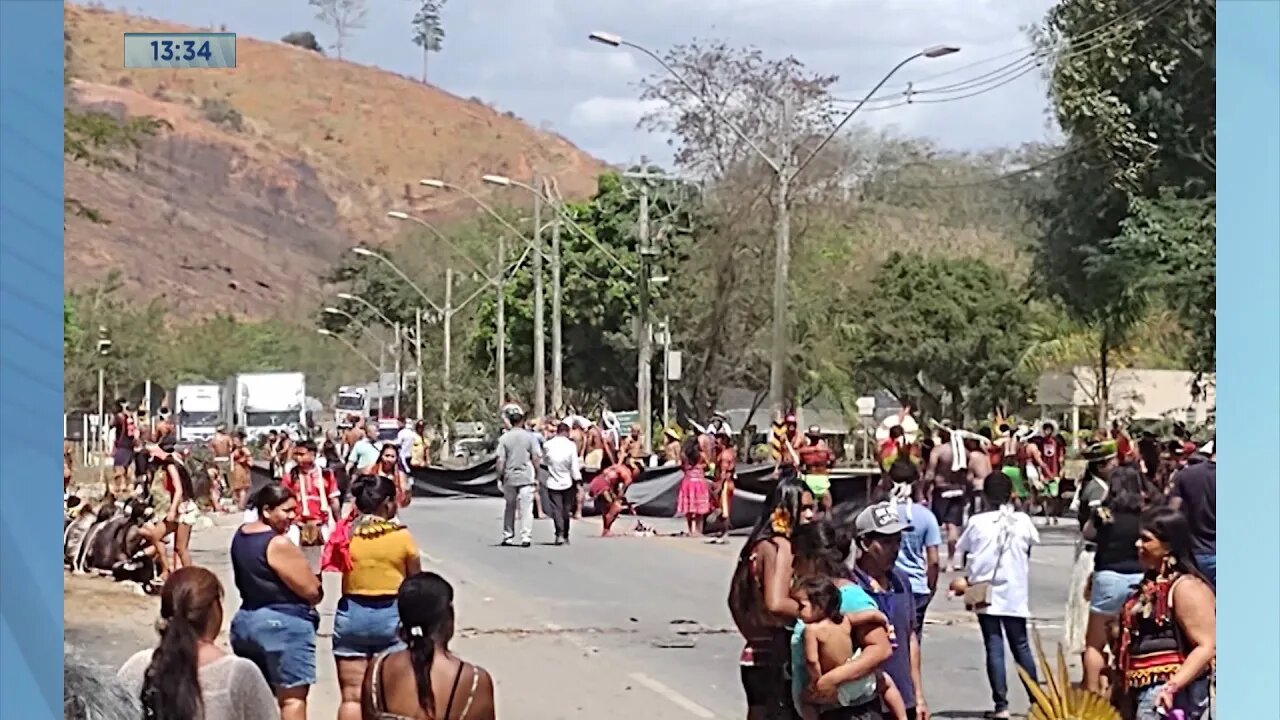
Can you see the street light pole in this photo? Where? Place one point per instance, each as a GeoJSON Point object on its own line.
{"type": "Point", "coordinates": [784, 176]}
{"type": "Point", "coordinates": [644, 336]}
{"type": "Point", "coordinates": [557, 350]}
{"type": "Point", "coordinates": [417, 359]}
{"type": "Point", "coordinates": [500, 285]}
{"type": "Point", "coordinates": [539, 322]}
{"type": "Point", "coordinates": [448, 355]}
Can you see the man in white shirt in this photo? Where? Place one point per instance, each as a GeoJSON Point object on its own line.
{"type": "Point", "coordinates": [998, 543]}
{"type": "Point", "coordinates": [405, 440]}
{"type": "Point", "coordinates": [564, 471]}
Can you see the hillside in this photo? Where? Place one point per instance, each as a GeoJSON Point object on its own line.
{"type": "Point", "coordinates": [274, 169]}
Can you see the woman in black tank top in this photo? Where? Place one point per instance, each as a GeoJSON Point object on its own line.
{"type": "Point", "coordinates": [426, 680]}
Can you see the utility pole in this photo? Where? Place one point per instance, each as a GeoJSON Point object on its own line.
{"type": "Point", "coordinates": [539, 322]}
{"type": "Point", "coordinates": [666, 371]}
{"type": "Point", "coordinates": [500, 282]}
{"type": "Point", "coordinates": [417, 353]}
{"type": "Point", "coordinates": [557, 350]}
{"type": "Point", "coordinates": [781, 264]}
{"type": "Point", "coordinates": [446, 419]}
{"type": "Point", "coordinates": [395, 403]}
{"type": "Point", "coordinates": [644, 334]}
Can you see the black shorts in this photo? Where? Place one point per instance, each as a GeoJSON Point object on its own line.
{"type": "Point", "coordinates": [949, 511]}
{"type": "Point", "coordinates": [122, 457]}
{"type": "Point", "coordinates": [766, 687]}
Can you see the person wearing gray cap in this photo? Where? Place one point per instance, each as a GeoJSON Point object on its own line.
{"type": "Point", "coordinates": [877, 531]}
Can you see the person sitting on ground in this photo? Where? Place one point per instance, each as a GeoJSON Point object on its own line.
{"type": "Point", "coordinates": [187, 675]}
{"type": "Point", "coordinates": [608, 490]}
{"type": "Point", "coordinates": [425, 680]}
{"type": "Point", "coordinates": [828, 636]}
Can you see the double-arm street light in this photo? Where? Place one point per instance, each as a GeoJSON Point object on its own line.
{"type": "Point", "coordinates": [785, 171]}
{"type": "Point", "coordinates": [382, 341]}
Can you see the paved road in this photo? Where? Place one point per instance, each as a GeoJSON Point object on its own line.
{"type": "Point", "coordinates": [573, 631]}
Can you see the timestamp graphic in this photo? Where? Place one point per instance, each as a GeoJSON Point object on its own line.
{"type": "Point", "coordinates": [173, 51]}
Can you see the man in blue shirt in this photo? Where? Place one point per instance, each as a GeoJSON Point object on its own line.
{"type": "Point", "coordinates": [878, 532]}
{"type": "Point", "coordinates": [918, 556]}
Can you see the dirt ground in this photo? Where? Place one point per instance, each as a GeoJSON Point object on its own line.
{"type": "Point", "coordinates": [107, 621]}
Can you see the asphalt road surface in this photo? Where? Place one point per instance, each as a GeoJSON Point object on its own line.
{"type": "Point", "coordinates": [637, 627]}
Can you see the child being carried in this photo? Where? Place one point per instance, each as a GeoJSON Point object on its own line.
{"type": "Point", "coordinates": [831, 640]}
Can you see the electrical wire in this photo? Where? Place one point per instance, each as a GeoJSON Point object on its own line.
{"type": "Point", "coordinates": [1002, 177]}
{"type": "Point", "coordinates": [1101, 36]}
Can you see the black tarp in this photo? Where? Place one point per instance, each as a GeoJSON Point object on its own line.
{"type": "Point", "coordinates": [653, 494]}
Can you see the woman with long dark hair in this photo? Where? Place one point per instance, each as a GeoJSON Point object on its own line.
{"type": "Point", "coordinates": [693, 503]}
{"type": "Point", "coordinates": [181, 515]}
{"type": "Point", "coordinates": [1168, 640]}
{"type": "Point", "coordinates": [375, 554]}
{"type": "Point", "coordinates": [1113, 528]}
{"type": "Point", "coordinates": [821, 552]}
{"type": "Point", "coordinates": [760, 599]}
{"type": "Point", "coordinates": [187, 676]}
{"type": "Point", "coordinates": [425, 680]}
{"type": "Point", "coordinates": [276, 624]}
{"type": "Point", "coordinates": [388, 466]}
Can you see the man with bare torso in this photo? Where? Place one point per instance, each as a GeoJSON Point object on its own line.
{"type": "Point", "coordinates": [978, 467]}
{"type": "Point", "coordinates": [726, 471]}
{"type": "Point", "coordinates": [946, 489]}
{"type": "Point", "coordinates": [221, 446]}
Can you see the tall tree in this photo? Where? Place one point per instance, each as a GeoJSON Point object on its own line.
{"type": "Point", "coordinates": [428, 30]}
{"type": "Point", "coordinates": [1132, 88]}
{"type": "Point", "coordinates": [945, 330]}
{"type": "Point", "coordinates": [344, 16]}
{"type": "Point", "coordinates": [782, 109]}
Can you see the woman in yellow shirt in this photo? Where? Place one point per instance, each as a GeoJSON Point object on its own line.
{"type": "Point", "coordinates": [380, 554]}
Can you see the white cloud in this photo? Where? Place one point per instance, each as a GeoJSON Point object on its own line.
{"type": "Point", "coordinates": [611, 112]}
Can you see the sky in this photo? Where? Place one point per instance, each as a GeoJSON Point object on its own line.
{"type": "Point", "coordinates": [532, 57]}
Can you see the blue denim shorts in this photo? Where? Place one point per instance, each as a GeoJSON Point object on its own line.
{"type": "Point", "coordinates": [280, 642]}
{"type": "Point", "coordinates": [364, 627]}
{"type": "Point", "coordinates": [1110, 590]}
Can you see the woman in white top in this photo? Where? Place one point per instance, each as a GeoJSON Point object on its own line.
{"type": "Point", "coordinates": [998, 543]}
{"type": "Point", "coordinates": [187, 676]}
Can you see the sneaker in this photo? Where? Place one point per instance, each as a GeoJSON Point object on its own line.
{"type": "Point", "coordinates": [526, 543]}
{"type": "Point", "coordinates": [559, 541]}
{"type": "Point", "coordinates": [507, 542]}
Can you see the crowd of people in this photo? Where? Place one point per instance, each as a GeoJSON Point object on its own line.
{"type": "Point", "coordinates": [830, 600]}
{"type": "Point", "coordinates": [809, 579]}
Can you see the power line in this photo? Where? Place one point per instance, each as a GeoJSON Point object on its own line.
{"type": "Point", "coordinates": [1088, 41]}
{"type": "Point", "coordinates": [1002, 177]}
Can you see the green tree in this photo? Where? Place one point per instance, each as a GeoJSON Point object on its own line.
{"type": "Point", "coordinates": [428, 30]}
{"type": "Point", "coordinates": [946, 330]}
{"type": "Point", "coordinates": [1132, 87]}
{"type": "Point", "coordinates": [599, 297]}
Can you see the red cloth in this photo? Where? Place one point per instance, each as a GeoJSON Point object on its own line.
{"type": "Point", "coordinates": [336, 554]}
{"type": "Point", "coordinates": [814, 457]}
{"type": "Point", "coordinates": [313, 489]}
{"type": "Point", "coordinates": [609, 479]}
{"type": "Point", "coordinates": [694, 497]}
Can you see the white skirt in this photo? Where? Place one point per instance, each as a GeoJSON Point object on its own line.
{"type": "Point", "coordinates": [1077, 613]}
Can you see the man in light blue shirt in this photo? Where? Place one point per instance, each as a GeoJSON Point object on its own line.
{"type": "Point", "coordinates": [918, 555]}
{"type": "Point", "coordinates": [364, 453]}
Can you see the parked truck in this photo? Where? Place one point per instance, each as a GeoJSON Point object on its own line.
{"type": "Point", "coordinates": [351, 400]}
{"type": "Point", "coordinates": [199, 409]}
{"type": "Point", "coordinates": [262, 402]}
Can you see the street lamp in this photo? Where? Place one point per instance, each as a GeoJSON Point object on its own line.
{"type": "Point", "coordinates": [785, 172]}
{"type": "Point", "coordinates": [500, 285]}
{"type": "Point", "coordinates": [352, 348]}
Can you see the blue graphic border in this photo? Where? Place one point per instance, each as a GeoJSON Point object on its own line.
{"type": "Point", "coordinates": [1248, 341]}
{"type": "Point", "coordinates": [30, 359]}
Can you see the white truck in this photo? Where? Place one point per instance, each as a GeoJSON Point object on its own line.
{"type": "Point", "coordinates": [269, 401]}
{"type": "Point", "coordinates": [350, 400]}
{"type": "Point", "coordinates": [199, 410]}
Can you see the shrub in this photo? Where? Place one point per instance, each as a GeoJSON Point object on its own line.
{"type": "Point", "coordinates": [303, 39]}
{"type": "Point", "coordinates": [220, 112]}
